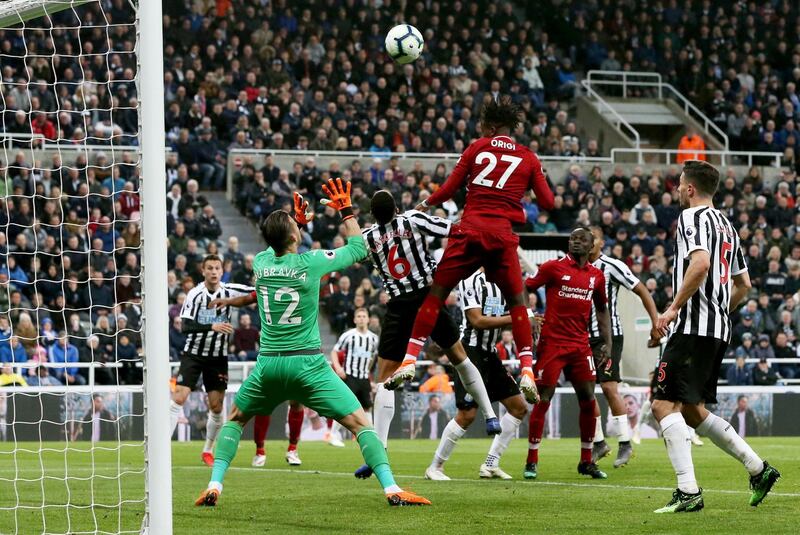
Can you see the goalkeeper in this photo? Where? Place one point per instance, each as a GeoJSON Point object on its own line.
{"type": "Point", "coordinates": [290, 361]}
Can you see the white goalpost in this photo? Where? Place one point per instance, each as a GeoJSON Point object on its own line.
{"type": "Point", "coordinates": [84, 366]}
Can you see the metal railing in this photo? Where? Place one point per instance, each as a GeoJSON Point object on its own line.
{"type": "Point", "coordinates": [727, 157]}
{"type": "Point", "coordinates": [621, 122]}
{"type": "Point", "coordinates": [627, 80]}
{"type": "Point", "coordinates": [244, 368]}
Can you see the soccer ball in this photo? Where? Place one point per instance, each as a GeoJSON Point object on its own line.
{"type": "Point", "coordinates": [404, 43]}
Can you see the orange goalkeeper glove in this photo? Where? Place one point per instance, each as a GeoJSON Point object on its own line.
{"type": "Point", "coordinates": [338, 196]}
{"type": "Point", "coordinates": [302, 213]}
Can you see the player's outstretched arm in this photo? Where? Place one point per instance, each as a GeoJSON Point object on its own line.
{"type": "Point", "coordinates": [238, 301]}
{"type": "Point", "coordinates": [338, 193]}
{"type": "Point", "coordinates": [453, 183]}
{"type": "Point", "coordinates": [696, 273]}
{"type": "Point", "coordinates": [741, 287]}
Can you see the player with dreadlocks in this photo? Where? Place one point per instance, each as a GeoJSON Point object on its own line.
{"type": "Point", "coordinates": [498, 172]}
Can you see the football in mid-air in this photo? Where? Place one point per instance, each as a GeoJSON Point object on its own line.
{"type": "Point", "coordinates": [404, 43]}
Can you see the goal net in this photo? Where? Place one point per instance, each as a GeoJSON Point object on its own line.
{"type": "Point", "coordinates": [73, 433]}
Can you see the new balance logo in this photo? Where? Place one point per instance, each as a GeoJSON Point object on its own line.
{"type": "Point", "coordinates": [565, 277]}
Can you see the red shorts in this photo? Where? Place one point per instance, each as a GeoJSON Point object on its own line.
{"type": "Point", "coordinates": [576, 361]}
{"type": "Point", "coordinates": [469, 249]}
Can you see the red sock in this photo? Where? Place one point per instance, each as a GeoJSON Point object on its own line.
{"type": "Point", "coordinates": [295, 426]}
{"type": "Point", "coordinates": [260, 428]}
{"type": "Point", "coordinates": [587, 421]}
{"type": "Point", "coordinates": [521, 329]}
{"type": "Point", "coordinates": [330, 423]}
{"type": "Point", "coordinates": [423, 326]}
{"type": "Point", "coordinates": [536, 429]}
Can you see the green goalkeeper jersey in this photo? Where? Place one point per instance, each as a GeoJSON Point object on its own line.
{"type": "Point", "coordinates": [287, 289]}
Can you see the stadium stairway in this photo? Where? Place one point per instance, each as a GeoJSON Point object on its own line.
{"type": "Point", "coordinates": [250, 242]}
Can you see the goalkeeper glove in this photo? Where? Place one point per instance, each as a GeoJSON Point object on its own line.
{"type": "Point", "coordinates": [302, 213]}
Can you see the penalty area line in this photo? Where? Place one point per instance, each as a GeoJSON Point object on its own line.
{"type": "Point", "coordinates": [513, 481]}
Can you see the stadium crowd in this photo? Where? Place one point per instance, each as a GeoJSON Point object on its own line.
{"type": "Point", "coordinates": [302, 75]}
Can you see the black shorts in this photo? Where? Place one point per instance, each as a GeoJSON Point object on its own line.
{"type": "Point", "coordinates": [399, 321]}
{"type": "Point", "coordinates": [213, 369]}
{"type": "Point", "coordinates": [362, 389]}
{"type": "Point", "coordinates": [609, 372]}
{"type": "Point", "coordinates": [689, 368]}
{"type": "Point", "coordinates": [499, 382]}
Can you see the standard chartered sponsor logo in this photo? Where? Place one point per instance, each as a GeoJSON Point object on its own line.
{"type": "Point", "coordinates": [570, 292]}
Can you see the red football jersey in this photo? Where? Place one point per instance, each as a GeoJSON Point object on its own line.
{"type": "Point", "coordinates": [498, 171]}
{"type": "Point", "coordinates": [570, 291]}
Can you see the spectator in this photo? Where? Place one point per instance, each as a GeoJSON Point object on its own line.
{"type": "Point", "coordinates": [8, 377]}
{"type": "Point", "coordinates": [693, 144]}
{"type": "Point", "coordinates": [438, 382]}
{"type": "Point", "coordinates": [744, 420]}
{"type": "Point", "coordinates": [739, 374]}
{"type": "Point", "coordinates": [764, 375]}
{"type": "Point", "coordinates": [65, 353]}
{"type": "Point", "coordinates": [245, 339]}
{"type": "Point", "coordinates": [434, 420]}
{"type": "Point", "coordinates": [763, 350]}
{"type": "Point", "coordinates": [784, 351]}
{"type": "Point", "coordinates": [12, 351]}
{"type": "Point", "coordinates": [42, 377]}
{"type": "Point", "coordinates": [177, 340]}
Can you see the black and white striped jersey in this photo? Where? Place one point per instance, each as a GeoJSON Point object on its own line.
{"type": "Point", "coordinates": [477, 292]}
{"type": "Point", "coordinates": [195, 308]}
{"type": "Point", "coordinates": [400, 253]}
{"type": "Point", "coordinates": [617, 274]}
{"type": "Point", "coordinates": [706, 312]}
{"type": "Point", "coordinates": [359, 350]}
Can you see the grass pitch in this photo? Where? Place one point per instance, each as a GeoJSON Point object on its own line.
{"type": "Point", "coordinates": [321, 496]}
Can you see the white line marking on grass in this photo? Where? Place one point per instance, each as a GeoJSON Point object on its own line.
{"type": "Point", "coordinates": [518, 481]}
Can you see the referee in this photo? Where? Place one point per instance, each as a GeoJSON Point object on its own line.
{"type": "Point", "coordinates": [360, 347]}
{"type": "Point", "coordinates": [206, 349]}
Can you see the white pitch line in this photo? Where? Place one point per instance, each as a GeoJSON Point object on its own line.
{"type": "Point", "coordinates": [464, 480]}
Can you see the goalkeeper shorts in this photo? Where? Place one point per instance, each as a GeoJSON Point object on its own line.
{"type": "Point", "coordinates": [308, 379]}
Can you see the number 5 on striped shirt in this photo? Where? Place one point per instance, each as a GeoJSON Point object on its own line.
{"type": "Point", "coordinates": [725, 274]}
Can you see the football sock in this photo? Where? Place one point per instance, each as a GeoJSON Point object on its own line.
{"type": "Point", "coordinates": [722, 434]}
{"type": "Point", "coordinates": [508, 429]}
{"type": "Point", "coordinates": [376, 458]}
{"type": "Point", "coordinates": [679, 449]}
{"type": "Point", "coordinates": [452, 432]}
{"type": "Point", "coordinates": [587, 422]}
{"type": "Point", "coordinates": [423, 326]}
{"type": "Point", "coordinates": [336, 430]}
{"type": "Point", "coordinates": [535, 430]}
{"type": "Point", "coordinates": [521, 329]}
{"type": "Point", "coordinates": [213, 423]}
{"type": "Point", "coordinates": [225, 451]}
{"type": "Point", "coordinates": [623, 429]}
{"type": "Point", "coordinates": [473, 384]}
{"type": "Point", "coordinates": [330, 423]}
{"type": "Point", "coordinates": [383, 412]}
{"type": "Point", "coordinates": [295, 426]}
{"type": "Point", "coordinates": [260, 428]}
{"type": "Point", "coordinates": [174, 413]}
{"type": "Point", "coordinates": [598, 429]}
